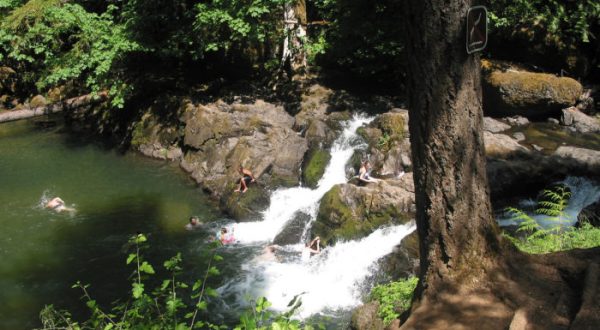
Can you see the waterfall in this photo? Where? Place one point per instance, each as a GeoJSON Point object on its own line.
{"type": "Point", "coordinates": [333, 280]}
{"type": "Point", "coordinates": [330, 281]}
{"type": "Point", "coordinates": [583, 193]}
{"type": "Point", "coordinates": [288, 201]}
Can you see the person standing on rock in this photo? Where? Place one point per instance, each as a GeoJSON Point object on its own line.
{"type": "Point", "coordinates": [247, 178]}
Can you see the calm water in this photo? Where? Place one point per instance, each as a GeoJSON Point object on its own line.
{"type": "Point", "coordinates": [43, 253]}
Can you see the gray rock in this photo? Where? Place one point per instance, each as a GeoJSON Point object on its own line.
{"type": "Point", "coordinates": [566, 117]}
{"type": "Point", "coordinates": [365, 317]}
{"type": "Point", "coordinates": [493, 125]}
{"type": "Point", "coordinates": [519, 136]}
{"type": "Point", "coordinates": [220, 137]}
{"type": "Point", "coordinates": [553, 121]}
{"type": "Point", "coordinates": [516, 120]}
{"type": "Point", "coordinates": [500, 145]}
{"type": "Point", "coordinates": [582, 122]}
{"type": "Point", "coordinates": [536, 147]}
{"type": "Point", "coordinates": [585, 156]}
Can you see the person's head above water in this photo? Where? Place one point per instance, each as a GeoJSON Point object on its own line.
{"type": "Point", "coordinates": [194, 220]}
{"type": "Point", "coordinates": [224, 230]}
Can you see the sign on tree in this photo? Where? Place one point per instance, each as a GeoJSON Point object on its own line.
{"type": "Point", "coordinates": [476, 29]}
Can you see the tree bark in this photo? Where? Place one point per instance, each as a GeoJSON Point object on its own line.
{"type": "Point", "coordinates": [458, 236]}
{"type": "Point", "coordinates": [294, 55]}
{"type": "Point", "coordinates": [69, 104]}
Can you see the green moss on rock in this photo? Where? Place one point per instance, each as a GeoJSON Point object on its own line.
{"type": "Point", "coordinates": [315, 166]}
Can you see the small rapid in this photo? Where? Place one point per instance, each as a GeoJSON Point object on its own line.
{"type": "Point", "coordinates": [331, 281]}
{"type": "Point", "coordinates": [285, 203]}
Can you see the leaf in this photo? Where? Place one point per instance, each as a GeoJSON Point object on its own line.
{"type": "Point", "coordinates": [217, 257]}
{"type": "Point", "coordinates": [165, 284]}
{"type": "Point", "coordinates": [211, 292]}
{"type": "Point", "coordinates": [197, 285]}
{"type": "Point", "coordinates": [138, 290]}
{"type": "Point", "coordinates": [213, 271]}
{"type": "Point", "coordinates": [130, 258]}
{"type": "Point", "coordinates": [109, 326]}
{"type": "Point", "coordinates": [202, 305]}
{"type": "Point", "coordinates": [146, 268]}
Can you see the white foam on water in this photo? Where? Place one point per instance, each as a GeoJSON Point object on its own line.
{"type": "Point", "coordinates": [330, 281]}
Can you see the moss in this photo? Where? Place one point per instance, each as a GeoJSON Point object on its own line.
{"type": "Point", "coordinates": [315, 166]}
{"type": "Point", "coordinates": [245, 206]}
{"type": "Point", "coordinates": [139, 135]}
{"type": "Point", "coordinates": [566, 90]}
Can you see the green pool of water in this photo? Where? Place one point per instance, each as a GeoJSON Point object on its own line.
{"type": "Point", "coordinates": [43, 253]}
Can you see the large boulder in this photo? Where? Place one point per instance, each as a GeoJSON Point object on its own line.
{"type": "Point", "coordinates": [349, 211]}
{"type": "Point", "coordinates": [156, 138]}
{"type": "Point", "coordinates": [366, 317]}
{"type": "Point", "coordinates": [220, 137]}
{"type": "Point", "coordinates": [508, 92]}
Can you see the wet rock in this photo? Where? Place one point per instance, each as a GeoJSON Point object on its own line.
{"type": "Point", "coordinates": [365, 317]}
{"type": "Point", "coordinates": [580, 121]}
{"type": "Point", "coordinates": [590, 158]}
{"type": "Point", "coordinates": [500, 145]}
{"type": "Point", "coordinates": [314, 166]}
{"type": "Point", "coordinates": [403, 262]}
{"type": "Point", "coordinates": [220, 137]}
{"type": "Point", "coordinates": [508, 91]}
{"type": "Point", "coordinates": [516, 120]}
{"type": "Point", "coordinates": [349, 211]}
{"type": "Point", "coordinates": [493, 125]}
{"type": "Point", "coordinates": [292, 233]}
{"type": "Point", "coordinates": [553, 121]}
{"type": "Point", "coordinates": [389, 143]}
{"type": "Point", "coordinates": [536, 147]}
{"type": "Point", "coordinates": [590, 214]}
{"type": "Point", "coordinates": [586, 102]}
{"type": "Point", "coordinates": [156, 138]}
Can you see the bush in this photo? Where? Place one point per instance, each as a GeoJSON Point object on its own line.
{"type": "Point", "coordinates": [394, 298]}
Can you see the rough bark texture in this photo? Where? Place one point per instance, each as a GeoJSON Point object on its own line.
{"type": "Point", "coordinates": [458, 238]}
{"type": "Point", "coordinates": [454, 216]}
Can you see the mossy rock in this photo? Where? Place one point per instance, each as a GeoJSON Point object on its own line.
{"type": "Point", "coordinates": [149, 130]}
{"type": "Point", "coordinates": [528, 94]}
{"type": "Point", "coordinates": [337, 221]}
{"type": "Point", "coordinates": [245, 206]}
{"type": "Point", "coordinates": [37, 101]}
{"type": "Point", "coordinates": [314, 167]}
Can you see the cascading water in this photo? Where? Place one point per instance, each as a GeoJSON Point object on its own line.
{"type": "Point", "coordinates": [332, 280]}
{"type": "Point", "coordinates": [583, 193]}
{"type": "Point", "coordinates": [286, 202]}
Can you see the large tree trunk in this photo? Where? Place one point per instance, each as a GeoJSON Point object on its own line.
{"type": "Point", "coordinates": [470, 278]}
{"type": "Point", "coordinates": [458, 237]}
{"type": "Point", "coordinates": [294, 55]}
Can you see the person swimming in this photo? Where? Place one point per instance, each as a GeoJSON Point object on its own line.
{"type": "Point", "coordinates": [194, 223]}
{"type": "Point", "coordinates": [226, 236]}
{"type": "Point", "coordinates": [308, 249]}
{"type": "Point", "coordinates": [58, 205]}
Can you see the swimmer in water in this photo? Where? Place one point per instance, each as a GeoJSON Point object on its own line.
{"type": "Point", "coordinates": [194, 223]}
{"type": "Point", "coordinates": [58, 205]}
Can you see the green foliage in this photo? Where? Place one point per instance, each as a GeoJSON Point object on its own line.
{"type": "Point", "coordinates": [226, 24]}
{"type": "Point", "coordinates": [51, 43]}
{"type": "Point", "coordinates": [552, 203]}
{"type": "Point", "coordinates": [171, 305]}
{"type": "Point", "coordinates": [571, 21]}
{"type": "Point", "coordinates": [394, 298]}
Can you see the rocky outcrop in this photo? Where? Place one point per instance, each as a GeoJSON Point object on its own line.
{"type": "Point", "coordinates": [365, 317]}
{"type": "Point", "coordinates": [508, 92]}
{"type": "Point", "coordinates": [155, 138]}
{"type": "Point", "coordinates": [581, 122]}
{"type": "Point", "coordinates": [220, 137]}
{"type": "Point", "coordinates": [500, 145]}
{"type": "Point", "coordinates": [389, 142]}
{"type": "Point", "coordinates": [349, 211]}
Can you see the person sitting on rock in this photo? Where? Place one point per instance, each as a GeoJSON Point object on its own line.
{"type": "Point", "coordinates": [194, 223]}
{"type": "Point", "coordinates": [363, 172]}
{"type": "Point", "coordinates": [246, 178]}
{"type": "Point", "coordinates": [58, 205]}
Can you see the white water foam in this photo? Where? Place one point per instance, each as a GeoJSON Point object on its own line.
{"type": "Point", "coordinates": [286, 202]}
{"type": "Point", "coordinates": [330, 281]}
{"type": "Point", "coordinates": [583, 193]}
